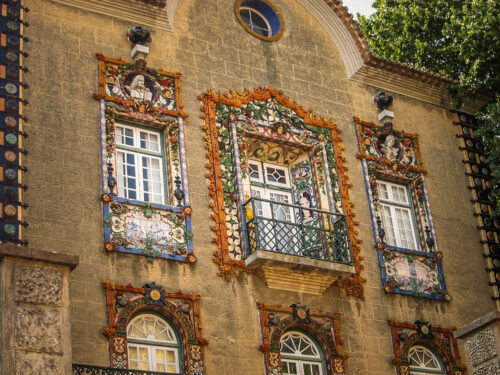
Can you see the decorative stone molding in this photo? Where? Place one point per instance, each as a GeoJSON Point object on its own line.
{"type": "Point", "coordinates": [38, 285]}
{"type": "Point", "coordinates": [158, 14]}
{"type": "Point", "coordinates": [35, 331]}
{"type": "Point", "coordinates": [481, 346]}
{"type": "Point", "coordinates": [38, 329]}
{"type": "Point", "coordinates": [29, 364]}
{"type": "Point", "coordinates": [482, 342]}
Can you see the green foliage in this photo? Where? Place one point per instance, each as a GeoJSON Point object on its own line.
{"type": "Point", "coordinates": [459, 39]}
{"type": "Point", "coordinates": [455, 38]}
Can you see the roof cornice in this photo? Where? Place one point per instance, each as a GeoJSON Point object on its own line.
{"type": "Point", "coordinates": [364, 67]}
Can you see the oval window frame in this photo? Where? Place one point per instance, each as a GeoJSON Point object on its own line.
{"type": "Point", "coordinates": [239, 4]}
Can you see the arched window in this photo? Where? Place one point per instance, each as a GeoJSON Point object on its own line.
{"type": "Point", "coordinates": [424, 362]}
{"type": "Point", "coordinates": [300, 355]}
{"type": "Point", "coordinates": [152, 344]}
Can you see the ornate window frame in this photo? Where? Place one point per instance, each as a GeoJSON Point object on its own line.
{"type": "Point", "coordinates": [181, 310]}
{"type": "Point", "coordinates": [441, 341]}
{"type": "Point", "coordinates": [150, 344]}
{"type": "Point", "coordinates": [225, 193]}
{"type": "Point", "coordinates": [323, 327]}
{"type": "Point", "coordinates": [163, 111]}
{"type": "Point", "coordinates": [401, 268]}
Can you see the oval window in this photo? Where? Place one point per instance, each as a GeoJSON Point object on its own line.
{"type": "Point", "coordinates": [260, 18]}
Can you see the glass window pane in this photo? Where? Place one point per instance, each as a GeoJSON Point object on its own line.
{"type": "Point", "coordinates": [276, 176]}
{"type": "Point", "coordinates": [383, 190]}
{"type": "Point", "coordinates": [160, 367]}
{"type": "Point", "coordinates": [126, 174]}
{"type": "Point", "coordinates": [160, 355]}
{"type": "Point", "coordinates": [172, 368]}
{"type": "Point", "coordinates": [132, 353]}
{"type": "Point", "coordinates": [124, 136]}
{"type": "Point", "coordinates": [171, 357]}
{"type": "Point", "coordinates": [149, 141]}
{"type": "Point", "coordinates": [254, 171]}
{"type": "Point", "coordinates": [143, 354]}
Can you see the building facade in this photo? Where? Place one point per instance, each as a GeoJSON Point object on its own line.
{"type": "Point", "coordinates": [235, 187]}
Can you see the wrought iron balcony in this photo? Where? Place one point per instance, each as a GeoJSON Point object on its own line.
{"type": "Point", "coordinates": [99, 370]}
{"type": "Point", "coordinates": [295, 230]}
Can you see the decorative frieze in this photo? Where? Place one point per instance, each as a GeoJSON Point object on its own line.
{"type": "Point", "coordinates": [32, 364]}
{"type": "Point", "coordinates": [37, 284]}
{"type": "Point", "coordinates": [38, 329]}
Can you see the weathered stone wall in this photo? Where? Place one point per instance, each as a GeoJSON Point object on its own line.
{"type": "Point", "coordinates": [212, 51]}
{"type": "Point", "coordinates": [34, 295]}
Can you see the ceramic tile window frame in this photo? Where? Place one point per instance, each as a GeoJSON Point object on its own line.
{"type": "Point", "coordinates": [166, 117]}
{"type": "Point", "coordinates": [181, 310]}
{"type": "Point", "coordinates": [406, 170]}
{"type": "Point", "coordinates": [441, 341]}
{"type": "Point", "coordinates": [324, 327]}
{"type": "Point", "coordinates": [221, 214]}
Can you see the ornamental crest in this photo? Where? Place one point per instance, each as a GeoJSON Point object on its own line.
{"type": "Point", "coordinates": [142, 92]}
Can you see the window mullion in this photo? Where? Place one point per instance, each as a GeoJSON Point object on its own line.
{"type": "Point", "coordinates": [140, 181]}
{"type": "Point", "coordinates": [395, 225]}
{"type": "Point", "coordinates": [152, 357]}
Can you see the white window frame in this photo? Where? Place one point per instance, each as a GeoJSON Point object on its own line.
{"type": "Point", "coordinates": [422, 369]}
{"type": "Point", "coordinates": [252, 25]}
{"type": "Point", "coordinates": [300, 359]}
{"type": "Point", "coordinates": [265, 193]}
{"type": "Point", "coordinates": [152, 363]}
{"type": "Point", "coordinates": [257, 164]}
{"type": "Point", "coordinates": [278, 167]}
{"type": "Point", "coordinates": [152, 344]}
{"type": "Point", "coordinates": [393, 205]}
{"type": "Point", "coordinates": [139, 153]}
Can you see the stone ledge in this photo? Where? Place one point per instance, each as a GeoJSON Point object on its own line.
{"type": "Point", "coordinates": [477, 324]}
{"type": "Point", "coordinates": [295, 273]}
{"type": "Point", "coordinates": [10, 250]}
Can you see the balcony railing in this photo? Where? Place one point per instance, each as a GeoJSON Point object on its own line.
{"type": "Point", "coordinates": [289, 229]}
{"type": "Point", "coordinates": [99, 370]}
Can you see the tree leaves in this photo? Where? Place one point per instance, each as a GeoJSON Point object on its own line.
{"type": "Point", "coordinates": [458, 39]}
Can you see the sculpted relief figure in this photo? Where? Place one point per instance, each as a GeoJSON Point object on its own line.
{"type": "Point", "coordinates": [389, 147]}
{"type": "Point", "coordinates": [138, 89]}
